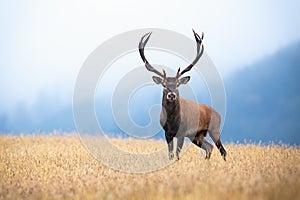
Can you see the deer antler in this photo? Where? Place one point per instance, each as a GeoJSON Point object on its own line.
{"type": "Point", "coordinates": [199, 54]}
{"type": "Point", "coordinates": [142, 45]}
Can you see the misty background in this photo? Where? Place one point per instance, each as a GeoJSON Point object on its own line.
{"type": "Point", "coordinates": [255, 46]}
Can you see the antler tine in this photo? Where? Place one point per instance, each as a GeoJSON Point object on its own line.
{"type": "Point", "coordinates": [178, 72]}
{"type": "Point", "coordinates": [199, 54]}
{"type": "Point", "coordinates": [165, 75]}
{"type": "Point", "coordinates": [142, 45]}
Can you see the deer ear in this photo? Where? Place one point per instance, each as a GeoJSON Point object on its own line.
{"type": "Point", "coordinates": [157, 80]}
{"type": "Point", "coordinates": [184, 80]}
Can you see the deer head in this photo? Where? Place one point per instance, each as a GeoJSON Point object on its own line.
{"type": "Point", "coordinates": [171, 84]}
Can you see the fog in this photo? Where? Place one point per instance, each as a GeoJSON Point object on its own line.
{"type": "Point", "coordinates": [44, 44]}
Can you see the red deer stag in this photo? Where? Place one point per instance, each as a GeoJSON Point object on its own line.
{"type": "Point", "coordinates": [180, 117]}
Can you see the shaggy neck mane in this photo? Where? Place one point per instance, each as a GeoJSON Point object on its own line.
{"type": "Point", "coordinates": [172, 108]}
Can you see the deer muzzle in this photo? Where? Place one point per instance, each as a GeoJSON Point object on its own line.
{"type": "Point", "coordinates": [171, 96]}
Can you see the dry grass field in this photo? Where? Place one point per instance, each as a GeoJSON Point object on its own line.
{"type": "Point", "coordinates": [59, 167]}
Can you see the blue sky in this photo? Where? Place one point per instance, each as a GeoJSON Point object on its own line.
{"type": "Point", "coordinates": [44, 43]}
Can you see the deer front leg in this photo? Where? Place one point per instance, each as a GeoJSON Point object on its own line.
{"type": "Point", "coordinates": [170, 145]}
{"type": "Point", "coordinates": [179, 146]}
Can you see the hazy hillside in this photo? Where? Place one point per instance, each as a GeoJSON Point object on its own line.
{"type": "Point", "coordinates": [263, 103]}
{"type": "Point", "coordinates": [263, 100]}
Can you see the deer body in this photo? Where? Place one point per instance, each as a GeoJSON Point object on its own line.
{"type": "Point", "coordinates": [189, 119]}
{"type": "Point", "coordinates": [180, 117]}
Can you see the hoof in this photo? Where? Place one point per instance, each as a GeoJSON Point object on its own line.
{"type": "Point", "coordinates": [171, 156]}
{"type": "Point", "coordinates": [224, 155]}
{"type": "Point", "coordinates": [208, 154]}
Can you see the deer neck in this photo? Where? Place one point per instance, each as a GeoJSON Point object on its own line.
{"type": "Point", "coordinates": [172, 108]}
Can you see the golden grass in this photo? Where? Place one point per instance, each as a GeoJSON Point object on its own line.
{"type": "Point", "coordinates": [59, 167]}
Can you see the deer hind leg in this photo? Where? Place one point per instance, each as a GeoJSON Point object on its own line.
{"type": "Point", "coordinates": [207, 147]}
{"type": "Point", "coordinates": [202, 143]}
{"type": "Point", "coordinates": [215, 136]}
{"type": "Point", "coordinates": [221, 149]}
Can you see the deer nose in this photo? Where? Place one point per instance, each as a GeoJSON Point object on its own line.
{"type": "Point", "coordinates": [171, 96]}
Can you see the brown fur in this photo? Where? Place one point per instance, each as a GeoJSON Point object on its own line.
{"type": "Point", "coordinates": [192, 120]}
